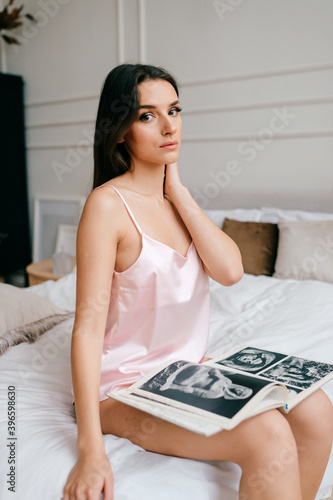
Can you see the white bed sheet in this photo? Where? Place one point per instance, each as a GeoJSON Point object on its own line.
{"type": "Point", "coordinates": [288, 316]}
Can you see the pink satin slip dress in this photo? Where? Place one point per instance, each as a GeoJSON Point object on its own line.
{"type": "Point", "coordinates": [159, 311]}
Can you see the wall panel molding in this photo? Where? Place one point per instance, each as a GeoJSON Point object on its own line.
{"type": "Point", "coordinates": [60, 145]}
{"type": "Point", "coordinates": [260, 74]}
{"type": "Point", "coordinates": [79, 121]}
{"type": "Point", "coordinates": [61, 100]}
{"type": "Point", "coordinates": [262, 105]}
{"type": "Point", "coordinates": [295, 134]}
{"type": "Point", "coordinates": [120, 32]}
{"type": "Point", "coordinates": [142, 31]}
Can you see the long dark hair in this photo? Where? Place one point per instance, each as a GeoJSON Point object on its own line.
{"type": "Point", "coordinates": [117, 110]}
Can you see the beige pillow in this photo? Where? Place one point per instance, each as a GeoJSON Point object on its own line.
{"type": "Point", "coordinates": [257, 242]}
{"type": "Point", "coordinates": [305, 250]}
{"type": "Point", "coordinates": [24, 316]}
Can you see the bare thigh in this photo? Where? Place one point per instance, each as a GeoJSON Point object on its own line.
{"type": "Point", "coordinates": [154, 434]}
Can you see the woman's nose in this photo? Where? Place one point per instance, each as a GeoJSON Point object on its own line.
{"type": "Point", "coordinates": [169, 126]}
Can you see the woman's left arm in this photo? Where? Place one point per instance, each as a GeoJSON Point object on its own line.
{"type": "Point", "coordinates": [220, 255]}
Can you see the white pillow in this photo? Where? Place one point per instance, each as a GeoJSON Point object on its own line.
{"type": "Point", "coordinates": [24, 316]}
{"type": "Point", "coordinates": [62, 292]}
{"type": "Point", "coordinates": [271, 214]}
{"type": "Point", "coordinates": [240, 214]}
{"type": "Point", "coordinates": [305, 250]}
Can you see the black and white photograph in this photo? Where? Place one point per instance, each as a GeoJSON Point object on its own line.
{"type": "Point", "coordinates": [297, 372]}
{"type": "Point", "coordinates": [251, 359]}
{"type": "Point", "coordinates": [203, 386]}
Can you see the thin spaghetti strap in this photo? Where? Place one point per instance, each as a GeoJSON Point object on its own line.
{"type": "Point", "coordinates": [126, 206]}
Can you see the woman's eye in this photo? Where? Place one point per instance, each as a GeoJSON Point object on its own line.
{"type": "Point", "coordinates": [175, 111]}
{"type": "Point", "coordinates": [146, 117]}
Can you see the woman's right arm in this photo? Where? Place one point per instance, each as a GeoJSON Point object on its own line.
{"type": "Point", "coordinates": [96, 254]}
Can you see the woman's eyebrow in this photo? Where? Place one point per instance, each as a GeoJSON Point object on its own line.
{"type": "Point", "coordinates": [150, 106]}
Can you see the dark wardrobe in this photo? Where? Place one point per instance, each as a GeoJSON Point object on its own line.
{"type": "Point", "coordinates": [15, 248]}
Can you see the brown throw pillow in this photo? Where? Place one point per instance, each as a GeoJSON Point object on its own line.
{"type": "Point", "coordinates": [257, 242]}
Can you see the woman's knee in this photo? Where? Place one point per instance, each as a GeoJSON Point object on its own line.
{"type": "Point", "coordinates": [313, 417]}
{"type": "Point", "coordinates": [267, 438]}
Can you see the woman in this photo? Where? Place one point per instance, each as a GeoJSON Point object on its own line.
{"type": "Point", "coordinates": [144, 251]}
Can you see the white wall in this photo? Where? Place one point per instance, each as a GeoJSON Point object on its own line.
{"type": "Point", "coordinates": [243, 64]}
{"type": "Point", "coordinates": [250, 70]}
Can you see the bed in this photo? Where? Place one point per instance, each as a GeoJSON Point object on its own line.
{"type": "Point", "coordinates": [284, 302]}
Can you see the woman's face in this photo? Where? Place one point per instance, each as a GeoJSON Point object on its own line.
{"type": "Point", "coordinates": [155, 136]}
{"type": "Point", "coordinates": [251, 359]}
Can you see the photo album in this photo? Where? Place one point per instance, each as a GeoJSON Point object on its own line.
{"type": "Point", "coordinates": [219, 394]}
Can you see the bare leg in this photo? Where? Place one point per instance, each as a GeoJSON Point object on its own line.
{"type": "Point", "coordinates": [263, 446]}
{"type": "Point", "coordinates": [312, 425]}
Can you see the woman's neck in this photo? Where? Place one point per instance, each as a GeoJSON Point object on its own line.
{"type": "Point", "coordinates": [146, 180]}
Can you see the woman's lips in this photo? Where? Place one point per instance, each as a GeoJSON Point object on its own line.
{"type": "Point", "coordinates": [169, 145]}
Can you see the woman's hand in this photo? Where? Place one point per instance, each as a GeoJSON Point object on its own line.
{"type": "Point", "coordinates": [88, 478]}
{"type": "Point", "coordinates": [209, 240]}
{"type": "Point", "coordinates": [172, 180]}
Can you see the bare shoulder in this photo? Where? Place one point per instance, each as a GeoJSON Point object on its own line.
{"type": "Point", "coordinates": [102, 197]}
{"type": "Point", "coordinates": [98, 235]}
{"type": "Point", "coordinates": [103, 208]}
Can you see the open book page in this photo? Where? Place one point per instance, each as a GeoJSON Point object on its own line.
{"type": "Point", "coordinates": [208, 391]}
{"type": "Point", "coordinates": [301, 376]}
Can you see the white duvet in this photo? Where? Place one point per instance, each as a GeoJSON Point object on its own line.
{"type": "Point", "coordinates": [288, 316]}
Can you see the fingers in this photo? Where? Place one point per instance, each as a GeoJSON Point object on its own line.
{"type": "Point", "coordinates": [172, 179]}
{"type": "Point", "coordinates": [90, 476]}
{"type": "Point", "coordinates": [108, 489]}
{"type": "Point", "coordinates": [87, 494]}
{"type": "Point", "coordinates": [80, 490]}
{"type": "Point", "coordinates": [171, 168]}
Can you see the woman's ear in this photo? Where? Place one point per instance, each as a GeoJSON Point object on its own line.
{"type": "Point", "coordinates": [121, 140]}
